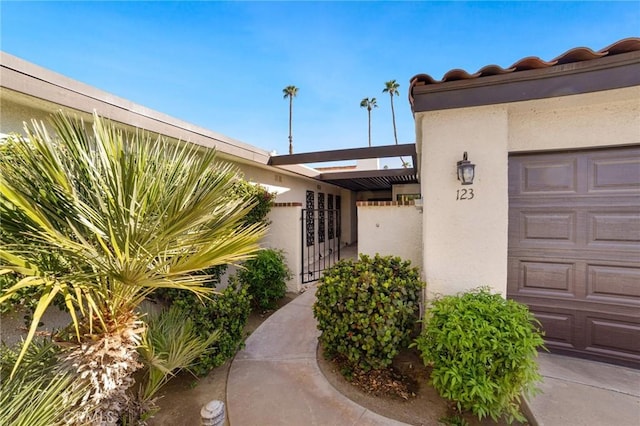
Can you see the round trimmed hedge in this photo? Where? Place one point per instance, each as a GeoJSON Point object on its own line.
{"type": "Point", "coordinates": [367, 309]}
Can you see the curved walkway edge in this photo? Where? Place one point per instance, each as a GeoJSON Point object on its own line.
{"type": "Point", "coordinates": [276, 380]}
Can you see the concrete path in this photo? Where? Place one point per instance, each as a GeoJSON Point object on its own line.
{"type": "Point", "coordinates": [578, 392]}
{"type": "Point", "coordinates": [275, 380]}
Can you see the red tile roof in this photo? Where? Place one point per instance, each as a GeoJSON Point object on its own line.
{"type": "Point", "coordinates": [578, 54]}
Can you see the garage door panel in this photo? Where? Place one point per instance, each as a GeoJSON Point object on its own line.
{"type": "Point", "coordinates": [615, 228]}
{"type": "Point", "coordinates": [545, 277]}
{"type": "Point", "coordinates": [543, 228]}
{"type": "Point", "coordinates": [615, 174]}
{"type": "Point", "coordinates": [574, 249]}
{"type": "Point", "coordinates": [553, 226]}
{"type": "Point", "coordinates": [612, 336]}
{"type": "Point", "coordinates": [549, 176]}
{"type": "Point", "coordinates": [558, 327]}
{"type": "Point", "coordinates": [613, 284]}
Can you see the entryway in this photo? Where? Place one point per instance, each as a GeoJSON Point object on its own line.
{"type": "Point", "coordinates": [321, 232]}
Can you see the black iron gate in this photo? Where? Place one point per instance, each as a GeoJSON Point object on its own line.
{"type": "Point", "coordinates": [320, 236]}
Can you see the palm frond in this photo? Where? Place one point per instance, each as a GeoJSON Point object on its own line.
{"type": "Point", "coordinates": [39, 394]}
{"type": "Point", "coordinates": [170, 344]}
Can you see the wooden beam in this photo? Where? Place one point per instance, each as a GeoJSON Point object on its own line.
{"type": "Point", "coordinates": [367, 174]}
{"type": "Point", "coordinates": [345, 154]}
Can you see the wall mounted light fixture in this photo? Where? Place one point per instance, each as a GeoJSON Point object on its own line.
{"type": "Point", "coordinates": [466, 170]}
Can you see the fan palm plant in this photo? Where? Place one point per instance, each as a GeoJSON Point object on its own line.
{"type": "Point", "coordinates": [290, 92]}
{"type": "Point", "coordinates": [123, 214]}
{"type": "Point", "coordinates": [369, 104]}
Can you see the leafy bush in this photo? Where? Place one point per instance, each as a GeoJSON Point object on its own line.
{"type": "Point", "coordinates": [266, 278]}
{"type": "Point", "coordinates": [226, 313]}
{"type": "Point", "coordinates": [482, 348]}
{"type": "Point", "coordinates": [367, 309]}
{"type": "Point", "coordinates": [26, 298]}
{"type": "Point", "coordinates": [262, 198]}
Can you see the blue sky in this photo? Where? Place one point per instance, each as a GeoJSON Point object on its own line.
{"type": "Point", "coordinates": [223, 65]}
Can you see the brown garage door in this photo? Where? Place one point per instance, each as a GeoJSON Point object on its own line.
{"type": "Point", "coordinates": [574, 249]}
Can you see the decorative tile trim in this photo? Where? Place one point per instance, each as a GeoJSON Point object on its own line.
{"type": "Point", "coordinates": [287, 204]}
{"type": "Point", "coordinates": [385, 203]}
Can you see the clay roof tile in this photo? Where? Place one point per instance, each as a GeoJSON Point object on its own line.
{"type": "Point", "coordinates": [578, 54]}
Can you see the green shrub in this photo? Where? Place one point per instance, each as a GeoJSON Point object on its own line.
{"type": "Point", "coordinates": [262, 198]}
{"type": "Point", "coordinates": [482, 348]}
{"type": "Point", "coordinates": [226, 313]}
{"type": "Point", "coordinates": [266, 278]}
{"type": "Point", "coordinates": [26, 298]}
{"type": "Point", "coordinates": [367, 309]}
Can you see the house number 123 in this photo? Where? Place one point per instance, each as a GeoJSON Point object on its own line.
{"type": "Point", "coordinates": [464, 194]}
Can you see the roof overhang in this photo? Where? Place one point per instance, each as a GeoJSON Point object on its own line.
{"type": "Point", "coordinates": [606, 73]}
{"type": "Point", "coordinates": [358, 180]}
{"type": "Point", "coordinates": [23, 80]}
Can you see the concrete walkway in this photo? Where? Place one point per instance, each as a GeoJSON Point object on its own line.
{"type": "Point", "coordinates": [578, 392]}
{"type": "Point", "coordinates": [275, 380]}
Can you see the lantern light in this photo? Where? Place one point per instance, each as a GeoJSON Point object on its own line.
{"type": "Point", "coordinates": [466, 170]}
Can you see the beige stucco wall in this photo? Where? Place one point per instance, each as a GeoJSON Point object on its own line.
{"type": "Point", "coordinates": [285, 236]}
{"type": "Point", "coordinates": [465, 241]}
{"type": "Point", "coordinates": [13, 114]}
{"type": "Point", "coordinates": [391, 230]}
{"type": "Point", "coordinates": [610, 117]}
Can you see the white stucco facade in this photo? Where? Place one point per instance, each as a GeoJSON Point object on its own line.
{"type": "Point", "coordinates": [283, 236]}
{"type": "Point", "coordinates": [390, 229]}
{"type": "Point", "coordinates": [605, 118]}
{"type": "Point", "coordinates": [465, 237]}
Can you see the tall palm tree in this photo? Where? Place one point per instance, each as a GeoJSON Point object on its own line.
{"type": "Point", "coordinates": [391, 87]}
{"type": "Point", "coordinates": [369, 104]}
{"type": "Point", "coordinates": [290, 92]}
{"type": "Point", "coordinates": [122, 214]}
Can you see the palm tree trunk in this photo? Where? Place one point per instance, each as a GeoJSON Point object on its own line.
{"type": "Point", "coordinates": [395, 134]}
{"type": "Point", "coordinates": [393, 117]}
{"type": "Point", "coordinates": [290, 118]}
{"type": "Point", "coordinates": [369, 111]}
